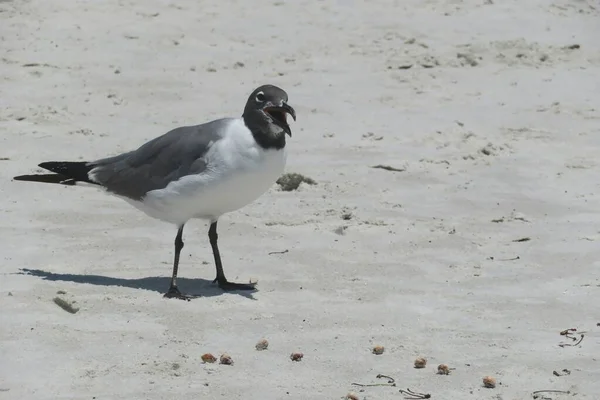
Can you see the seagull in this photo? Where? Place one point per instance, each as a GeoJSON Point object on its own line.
{"type": "Point", "coordinates": [194, 172]}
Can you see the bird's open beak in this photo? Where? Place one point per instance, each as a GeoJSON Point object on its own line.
{"type": "Point", "coordinates": [278, 114]}
{"type": "Point", "coordinates": [285, 106]}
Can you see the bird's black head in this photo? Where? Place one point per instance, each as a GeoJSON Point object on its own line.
{"type": "Point", "coordinates": [265, 115]}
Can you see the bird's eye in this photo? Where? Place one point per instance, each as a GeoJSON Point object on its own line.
{"type": "Point", "coordinates": [260, 97]}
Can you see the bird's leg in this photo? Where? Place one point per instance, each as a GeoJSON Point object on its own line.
{"type": "Point", "coordinates": [220, 279]}
{"type": "Point", "coordinates": [174, 292]}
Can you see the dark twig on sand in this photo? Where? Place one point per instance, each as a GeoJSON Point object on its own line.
{"type": "Point", "coordinates": [65, 305]}
{"type": "Point", "coordinates": [562, 373]}
{"type": "Point", "coordinates": [389, 168]}
{"type": "Point", "coordinates": [573, 344]}
{"type": "Point", "coordinates": [391, 382]}
{"type": "Point", "coordinates": [538, 393]}
{"type": "Point", "coordinates": [568, 332]}
{"type": "Point", "coordinates": [409, 394]}
{"type": "Point", "coordinates": [509, 259]}
{"type": "Point", "coordinates": [279, 252]}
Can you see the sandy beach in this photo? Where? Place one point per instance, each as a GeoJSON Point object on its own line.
{"type": "Point", "coordinates": [475, 248]}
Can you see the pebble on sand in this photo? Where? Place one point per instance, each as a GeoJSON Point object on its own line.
{"type": "Point", "coordinates": [262, 344]}
{"type": "Point", "coordinates": [226, 359]}
{"type": "Point", "coordinates": [208, 358]}
{"type": "Point", "coordinates": [489, 382]}
{"type": "Point", "coordinates": [443, 369]}
{"type": "Point", "coordinates": [420, 362]}
{"type": "Point", "coordinates": [296, 356]}
{"type": "Point", "coordinates": [378, 350]}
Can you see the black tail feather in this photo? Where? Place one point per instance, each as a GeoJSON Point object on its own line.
{"type": "Point", "coordinates": [65, 172]}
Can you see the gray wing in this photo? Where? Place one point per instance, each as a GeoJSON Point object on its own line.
{"type": "Point", "coordinates": [154, 165]}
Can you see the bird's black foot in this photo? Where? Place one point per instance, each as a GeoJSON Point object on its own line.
{"type": "Point", "coordinates": [174, 293]}
{"type": "Point", "coordinates": [230, 286]}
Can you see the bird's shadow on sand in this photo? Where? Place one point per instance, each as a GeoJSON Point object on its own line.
{"type": "Point", "coordinates": [196, 287]}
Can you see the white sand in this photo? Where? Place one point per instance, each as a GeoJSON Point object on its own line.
{"type": "Point", "coordinates": [420, 267]}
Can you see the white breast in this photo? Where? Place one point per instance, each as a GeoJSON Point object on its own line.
{"type": "Point", "coordinates": [238, 172]}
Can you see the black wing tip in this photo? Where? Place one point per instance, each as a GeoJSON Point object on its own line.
{"type": "Point", "coordinates": [46, 178]}
{"type": "Point", "coordinates": [62, 165]}
{"type": "Point", "coordinates": [64, 172]}
{"type": "Point", "coordinates": [23, 177]}
{"type": "Point", "coordinates": [76, 170]}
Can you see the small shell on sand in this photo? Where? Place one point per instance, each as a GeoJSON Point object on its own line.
{"type": "Point", "coordinates": [262, 344]}
{"type": "Point", "coordinates": [443, 369]}
{"type": "Point", "coordinates": [226, 359]}
{"type": "Point", "coordinates": [208, 358]}
{"type": "Point", "coordinates": [351, 396]}
{"type": "Point", "coordinates": [296, 356]}
{"type": "Point", "coordinates": [420, 362]}
{"type": "Point", "coordinates": [489, 382]}
{"type": "Point", "coordinates": [378, 350]}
